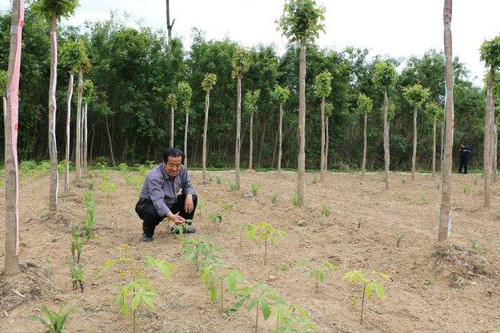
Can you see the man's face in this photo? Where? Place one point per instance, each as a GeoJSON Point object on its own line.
{"type": "Point", "coordinates": [173, 165]}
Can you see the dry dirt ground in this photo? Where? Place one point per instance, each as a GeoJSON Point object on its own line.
{"type": "Point", "coordinates": [457, 290]}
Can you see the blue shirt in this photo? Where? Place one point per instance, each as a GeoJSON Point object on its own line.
{"type": "Point", "coordinates": [162, 189]}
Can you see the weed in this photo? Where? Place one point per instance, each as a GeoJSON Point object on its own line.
{"type": "Point", "coordinates": [233, 186]}
{"type": "Point", "coordinates": [320, 272]}
{"type": "Point", "coordinates": [55, 320]}
{"type": "Point", "coordinates": [315, 180]}
{"type": "Point", "coordinates": [274, 199]}
{"type": "Point", "coordinates": [255, 189]}
{"type": "Point", "coordinates": [123, 167]}
{"type": "Point", "coordinates": [295, 198]}
{"type": "Point", "coordinates": [326, 211]}
{"type": "Point", "coordinates": [264, 232]}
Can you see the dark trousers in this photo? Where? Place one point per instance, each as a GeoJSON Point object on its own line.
{"type": "Point", "coordinates": [148, 214]}
{"type": "Point", "coordinates": [463, 165]}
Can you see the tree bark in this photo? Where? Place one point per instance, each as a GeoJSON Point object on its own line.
{"type": "Point", "coordinates": [487, 158]}
{"type": "Point", "coordinates": [68, 133]}
{"type": "Point", "coordinates": [85, 137]}
{"type": "Point", "coordinates": [262, 139]}
{"type": "Point", "coordinates": [172, 124]}
{"type": "Point", "coordinates": [434, 148]}
{"type": "Point", "coordinates": [186, 140]}
{"type": "Point", "coordinates": [322, 158]}
{"type": "Point", "coordinates": [250, 151]}
{"type": "Point", "coordinates": [238, 133]}
{"type": "Point", "coordinates": [327, 144]}
{"type": "Point", "coordinates": [445, 209]}
{"type": "Point", "coordinates": [78, 144]}
{"type": "Point", "coordinates": [169, 27]}
{"type": "Point", "coordinates": [54, 176]}
{"type": "Point", "coordinates": [495, 150]}
{"type": "Point", "coordinates": [205, 132]}
{"type": "Point", "coordinates": [10, 106]}
{"type": "Point", "coordinates": [110, 142]}
{"type": "Point", "coordinates": [365, 143]}
{"type": "Point", "coordinates": [387, 157]}
{"type": "Point", "coordinates": [280, 144]}
{"type": "Point", "coordinates": [414, 156]}
{"type": "Point", "coordinates": [301, 184]}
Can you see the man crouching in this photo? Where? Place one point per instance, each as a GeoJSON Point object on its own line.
{"type": "Point", "coordinates": [159, 198]}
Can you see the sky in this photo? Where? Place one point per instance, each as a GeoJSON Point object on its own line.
{"type": "Point", "coordinates": [395, 28]}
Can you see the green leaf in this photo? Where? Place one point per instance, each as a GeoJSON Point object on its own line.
{"type": "Point", "coordinates": [253, 303]}
{"type": "Point", "coordinates": [368, 289]}
{"type": "Point", "coordinates": [135, 301]}
{"type": "Point", "coordinates": [379, 290]}
{"type": "Point", "coordinates": [266, 310]}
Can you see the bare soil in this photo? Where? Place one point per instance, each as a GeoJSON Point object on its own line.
{"type": "Point", "coordinates": [451, 289]}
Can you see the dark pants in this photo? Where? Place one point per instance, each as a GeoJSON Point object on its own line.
{"type": "Point", "coordinates": [148, 214]}
{"type": "Point", "coordinates": [463, 165]}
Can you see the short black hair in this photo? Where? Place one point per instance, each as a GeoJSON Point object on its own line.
{"type": "Point", "coordinates": [174, 152]}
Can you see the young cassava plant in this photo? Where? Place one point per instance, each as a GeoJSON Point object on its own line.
{"type": "Point", "coordinates": [76, 271]}
{"type": "Point", "coordinates": [77, 244]}
{"type": "Point", "coordinates": [55, 320]}
{"type": "Point", "coordinates": [90, 220]}
{"type": "Point", "coordinates": [216, 219]}
{"type": "Point", "coordinates": [263, 233]}
{"type": "Point", "coordinates": [320, 272]}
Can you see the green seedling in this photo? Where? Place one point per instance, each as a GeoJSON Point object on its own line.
{"type": "Point", "coordinates": [467, 190]}
{"type": "Point", "coordinates": [137, 289]}
{"type": "Point", "coordinates": [357, 277]}
{"type": "Point", "coordinates": [216, 219]}
{"type": "Point", "coordinates": [399, 238]}
{"type": "Point", "coordinates": [326, 211]}
{"type": "Point", "coordinates": [199, 251]}
{"type": "Point", "coordinates": [274, 199]}
{"type": "Point", "coordinates": [228, 207]}
{"type": "Point", "coordinates": [90, 220]}
{"type": "Point", "coordinates": [260, 295]}
{"type": "Point", "coordinates": [403, 181]}
{"type": "Point", "coordinates": [319, 273]}
{"type": "Point", "coordinates": [76, 271]}
{"type": "Point", "coordinates": [255, 189]}
{"type": "Point", "coordinates": [474, 245]}
{"type": "Point", "coordinates": [55, 320]}
{"type": "Point", "coordinates": [201, 207]}
{"type": "Point", "coordinates": [230, 278]}
{"type": "Point", "coordinates": [123, 167]}
{"type": "Point", "coordinates": [134, 181]}
{"type": "Point", "coordinates": [315, 180]}
{"type": "Point", "coordinates": [77, 244]}
{"type": "Point", "coordinates": [264, 232]}
{"type": "Point", "coordinates": [292, 318]}
{"type": "Point", "coordinates": [454, 204]}
{"type": "Point", "coordinates": [295, 198]}
{"type": "Point", "coordinates": [232, 185]}
{"type": "Point", "coordinates": [108, 187]}
{"type": "Point", "coordinates": [424, 199]}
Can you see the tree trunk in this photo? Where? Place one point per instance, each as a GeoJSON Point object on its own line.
{"type": "Point", "coordinates": [280, 144]}
{"type": "Point", "coordinates": [238, 133]}
{"type": "Point", "coordinates": [495, 150]}
{"type": "Point", "coordinates": [445, 209]}
{"type": "Point", "coordinates": [172, 124]}
{"type": "Point", "coordinates": [387, 157]}
{"type": "Point", "coordinates": [186, 139]}
{"type": "Point", "coordinates": [365, 143]}
{"type": "Point", "coordinates": [78, 144]}
{"type": "Point", "coordinates": [85, 137]}
{"type": "Point", "coordinates": [322, 158]}
{"type": "Point", "coordinates": [262, 139]}
{"type": "Point", "coordinates": [434, 148]}
{"type": "Point", "coordinates": [443, 135]}
{"type": "Point", "coordinates": [54, 181]}
{"type": "Point", "coordinates": [10, 106]}
{"type": "Point", "coordinates": [414, 156]}
{"type": "Point", "coordinates": [205, 132]}
{"type": "Point", "coordinates": [250, 151]}
{"type": "Point", "coordinates": [68, 133]}
{"type": "Point", "coordinates": [110, 142]}
{"type": "Point", "coordinates": [327, 144]}
{"type": "Point", "coordinates": [169, 27]}
{"type": "Point", "coordinates": [488, 119]}
{"type": "Point", "coordinates": [301, 179]}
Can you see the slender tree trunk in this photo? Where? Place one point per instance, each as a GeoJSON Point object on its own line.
{"type": "Point", "coordinates": [327, 144]}
{"type": "Point", "coordinates": [443, 135]}
{"type": "Point", "coordinates": [365, 143]}
{"type": "Point", "coordinates": [238, 133]}
{"type": "Point", "coordinates": [262, 139]}
{"type": "Point", "coordinates": [54, 176]}
{"type": "Point", "coordinates": [250, 151]}
{"type": "Point", "coordinates": [414, 156]}
{"type": "Point", "coordinates": [78, 144]}
{"type": "Point", "coordinates": [169, 27]}
{"type": "Point", "coordinates": [110, 142]}
{"type": "Point", "coordinates": [387, 157]}
{"type": "Point", "coordinates": [495, 150]}
{"type": "Point", "coordinates": [172, 124]}
{"type": "Point", "coordinates": [205, 132]}
{"type": "Point", "coordinates": [186, 139]}
{"type": "Point", "coordinates": [434, 148]}
{"type": "Point", "coordinates": [488, 119]}
{"type": "Point", "coordinates": [85, 137]}
{"type": "Point", "coordinates": [280, 144]}
{"type": "Point", "coordinates": [301, 179]}
{"type": "Point", "coordinates": [322, 158]}
{"type": "Point", "coordinates": [68, 133]}
{"type": "Point", "coordinates": [445, 209]}
{"type": "Point", "coordinates": [10, 107]}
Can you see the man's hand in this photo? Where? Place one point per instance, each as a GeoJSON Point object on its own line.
{"type": "Point", "coordinates": [188, 204]}
{"type": "Point", "coordinates": [176, 218]}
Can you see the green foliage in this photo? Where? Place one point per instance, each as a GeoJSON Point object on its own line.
{"type": "Point", "coordinates": [320, 272]}
{"type": "Point", "coordinates": [302, 19]}
{"type": "Point", "coordinates": [209, 81]}
{"type": "Point", "coordinates": [172, 100]}
{"type": "Point", "coordinates": [216, 219]}
{"type": "Point", "coordinates": [55, 320]}
{"type": "Point", "coordinates": [200, 251]}
{"type": "Point", "coordinates": [274, 198]}
{"type": "Point", "coordinates": [88, 91]}
{"type": "Point", "coordinates": [184, 93]}
{"type": "Point", "coordinates": [328, 110]}
{"type": "Point", "coordinates": [323, 84]}
{"type": "Point", "coordinates": [490, 52]}
{"type": "Point", "coordinates": [241, 62]}
{"type": "Point", "coordinates": [255, 189]}
{"type": "Point", "coordinates": [416, 95]}
{"type": "Point", "coordinates": [292, 318]}
{"type": "Point", "coordinates": [107, 186]}
{"type": "Point", "coordinates": [61, 8]}
{"type": "Point", "coordinates": [365, 104]}
{"type": "Point", "coordinates": [280, 94]}
{"type": "Point", "coordinates": [76, 271]}
{"type": "Point", "coordinates": [73, 55]}
{"type": "Point", "coordinates": [434, 111]}
{"type": "Point", "coordinates": [3, 83]}
{"type": "Point", "coordinates": [262, 233]}
{"type": "Point", "coordinates": [250, 101]}
{"type": "Point", "coordinates": [295, 198]}
{"type": "Point", "coordinates": [77, 244]}
{"type": "Point", "coordinates": [384, 75]}
{"type": "Point", "coordinates": [326, 211]}
{"type": "Point", "coordinates": [123, 167]}
{"type": "Point", "coordinates": [233, 186]}
{"type": "Point", "coordinates": [474, 246]}
{"type": "Point", "coordinates": [467, 189]}
{"type": "Point", "coordinates": [90, 220]}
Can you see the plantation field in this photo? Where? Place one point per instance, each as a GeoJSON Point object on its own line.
{"type": "Point", "coordinates": [455, 289]}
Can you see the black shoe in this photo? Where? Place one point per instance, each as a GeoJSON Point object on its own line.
{"type": "Point", "coordinates": [183, 229]}
{"type": "Point", "coordinates": [146, 238]}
